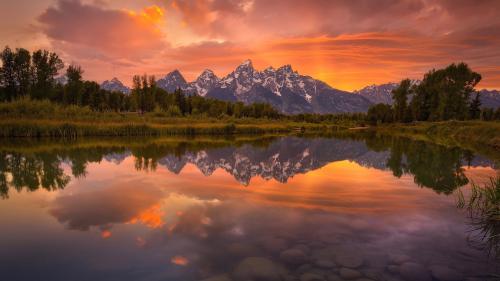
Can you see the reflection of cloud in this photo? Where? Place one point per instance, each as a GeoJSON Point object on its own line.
{"type": "Point", "coordinates": [151, 217]}
{"type": "Point", "coordinates": [105, 234]}
{"type": "Point", "coordinates": [179, 260]}
{"type": "Point", "coordinates": [102, 207]}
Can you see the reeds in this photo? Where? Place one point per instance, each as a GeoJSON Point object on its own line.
{"type": "Point", "coordinates": [483, 206]}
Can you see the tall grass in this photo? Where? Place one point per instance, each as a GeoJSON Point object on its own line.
{"type": "Point", "coordinates": [32, 118]}
{"type": "Point", "coordinates": [483, 206]}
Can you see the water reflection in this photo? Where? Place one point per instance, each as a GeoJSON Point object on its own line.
{"type": "Point", "coordinates": [432, 166]}
{"type": "Point", "coordinates": [278, 209]}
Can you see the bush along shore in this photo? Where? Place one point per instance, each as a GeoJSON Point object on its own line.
{"type": "Point", "coordinates": [49, 128]}
{"type": "Point", "coordinates": [33, 104]}
{"type": "Point", "coordinates": [479, 136]}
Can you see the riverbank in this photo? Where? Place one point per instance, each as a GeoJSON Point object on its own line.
{"type": "Point", "coordinates": [26, 118]}
{"type": "Point", "coordinates": [177, 126]}
{"type": "Point", "coordinates": [478, 136]}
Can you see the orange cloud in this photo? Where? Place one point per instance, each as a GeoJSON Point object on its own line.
{"type": "Point", "coordinates": [152, 14]}
{"type": "Point", "coordinates": [84, 30]}
{"type": "Point", "coordinates": [179, 260]}
{"type": "Point", "coordinates": [344, 43]}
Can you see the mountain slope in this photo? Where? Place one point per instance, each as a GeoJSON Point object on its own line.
{"type": "Point", "coordinates": [115, 85]}
{"type": "Point", "coordinates": [285, 89]}
{"type": "Point", "coordinates": [378, 93]}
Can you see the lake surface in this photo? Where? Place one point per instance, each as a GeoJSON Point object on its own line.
{"type": "Point", "coordinates": [277, 208]}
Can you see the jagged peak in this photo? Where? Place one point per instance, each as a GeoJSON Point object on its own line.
{"type": "Point", "coordinates": [115, 80]}
{"type": "Point", "coordinates": [286, 68]}
{"type": "Point", "coordinates": [270, 69]}
{"type": "Point", "coordinates": [207, 73]}
{"type": "Point", "coordinates": [247, 64]}
{"type": "Point", "coordinates": [175, 74]}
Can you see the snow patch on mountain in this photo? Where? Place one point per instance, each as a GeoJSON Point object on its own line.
{"type": "Point", "coordinates": [115, 85]}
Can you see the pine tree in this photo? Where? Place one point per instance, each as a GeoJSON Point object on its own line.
{"type": "Point", "coordinates": [400, 97]}
{"type": "Point", "coordinates": [475, 107]}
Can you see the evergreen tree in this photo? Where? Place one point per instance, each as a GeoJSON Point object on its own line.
{"type": "Point", "coordinates": [8, 74]}
{"type": "Point", "coordinates": [23, 74]}
{"type": "Point", "coordinates": [400, 97]}
{"type": "Point", "coordinates": [74, 88]}
{"type": "Point", "coordinates": [475, 107]}
{"type": "Point", "coordinates": [45, 67]}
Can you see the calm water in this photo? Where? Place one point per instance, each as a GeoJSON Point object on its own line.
{"type": "Point", "coordinates": [275, 209]}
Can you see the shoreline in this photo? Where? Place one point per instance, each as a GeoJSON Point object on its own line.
{"type": "Point", "coordinates": [478, 136]}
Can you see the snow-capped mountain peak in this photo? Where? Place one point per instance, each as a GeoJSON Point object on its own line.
{"type": "Point", "coordinates": [172, 81]}
{"type": "Point", "coordinates": [284, 88]}
{"type": "Point", "coordinates": [207, 75]}
{"type": "Point", "coordinates": [204, 83]}
{"type": "Point", "coordinates": [115, 85]}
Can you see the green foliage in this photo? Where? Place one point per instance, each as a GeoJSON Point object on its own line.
{"type": "Point", "coordinates": [475, 107]}
{"type": "Point", "coordinates": [380, 113]}
{"type": "Point", "coordinates": [400, 97]}
{"type": "Point", "coordinates": [443, 94]}
{"type": "Point", "coordinates": [433, 166]}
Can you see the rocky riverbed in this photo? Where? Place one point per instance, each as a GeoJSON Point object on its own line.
{"type": "Point", "coordinates": [330, 260]}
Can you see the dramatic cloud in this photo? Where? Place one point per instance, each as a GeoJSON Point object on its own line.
{"type": "Point", "coordinates": [89, 30]}
{"type": "Point", "coordinates": [346, 43]}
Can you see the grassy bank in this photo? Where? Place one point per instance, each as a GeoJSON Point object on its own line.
{"type": "Point", "coordinates": [27, 118]}
{"type": "Point", "coordinates": [479, 136]}
{"type": "Point", "coordinates": [75, 128]}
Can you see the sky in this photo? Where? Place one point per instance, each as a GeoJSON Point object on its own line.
{"type": "Point", "coordinates": [347, 43]}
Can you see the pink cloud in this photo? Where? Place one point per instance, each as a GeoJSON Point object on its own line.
{"type": "Point", "coordinates": [92, 31]}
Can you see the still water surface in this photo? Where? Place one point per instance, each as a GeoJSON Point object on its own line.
{"type": "Point", "coordinates": [285, 208]}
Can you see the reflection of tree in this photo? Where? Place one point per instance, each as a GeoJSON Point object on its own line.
{"type": "Point", "coordinates": [24, 169]}
{"type": "Point", "coordinates": [433, 166]}
{"type": "Point", "coordinates": [31, 171]}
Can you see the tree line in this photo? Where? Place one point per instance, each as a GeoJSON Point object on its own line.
{"type": "Point", "coordinates": [34, 75]}
{"type": "Point", "coordinates": [443, 94]}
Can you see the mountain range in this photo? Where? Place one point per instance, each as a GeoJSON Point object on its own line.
{"type": "Point", "coordinates": [283, 88]}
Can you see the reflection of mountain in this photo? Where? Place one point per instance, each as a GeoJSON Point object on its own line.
{"type": "Point", "coordinates": [117, 158]}
{"type": "Point", "coordinates": [281, 160]}
{"type": "Point", "coordinates": [433, 166]}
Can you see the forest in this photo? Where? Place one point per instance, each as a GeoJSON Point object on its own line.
{"type": "Point", "coordinates": [443, 94]}
{"type": "Point", "coordinates": [29, 83]}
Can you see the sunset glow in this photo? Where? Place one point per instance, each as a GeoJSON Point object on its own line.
{"type": "Point", "coordinates": [345, 44]}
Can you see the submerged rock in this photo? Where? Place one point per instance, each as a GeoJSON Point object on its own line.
{"type": "Point", "coordinates": [274, 244]}
{"type": "Point", "coordinates": [311, 277]}
{"type": "Point", "coordinates": [444, 273]}
{"type": "Point", "coordinates": [334, 278]}
{"type": "Point", "coordinates": [303, 247]}
{"type": "Point", "coordinates": [293, 257]}
{"type": "Point", "coordinates": [350, 274]}
{"type": "Point", "coordinates": [393, 269]}
{"type": "Point", "coordinates": [350, 261]}
{"type": "Point", "coordinates": [399, 259]}
{"type": "Point", "coordinates": [411, 271]}
{"type": "Point", "coordinates": [222, 277]}
{"type": "Point", "coordinates": [324, 264]}
{"type": "Point", "coordinates": [303, 268]}
{"type": "Point", "coordinates": [258, 269]}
